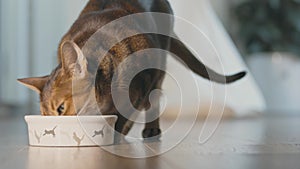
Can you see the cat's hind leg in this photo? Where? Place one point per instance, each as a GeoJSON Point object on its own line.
{"type": "Point", "coordinates": [152, 130]}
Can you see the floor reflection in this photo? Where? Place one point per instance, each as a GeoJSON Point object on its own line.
{"type": "Point", "coordinates": [64, 157]}
{"type": "Point", "coordinates": [87, 157]}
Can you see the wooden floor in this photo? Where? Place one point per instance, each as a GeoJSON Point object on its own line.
{"type": "Point", "coordinates": [271, 142]}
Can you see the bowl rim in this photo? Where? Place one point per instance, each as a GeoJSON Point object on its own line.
{"type": "Point", "coordinates": [63, 119]}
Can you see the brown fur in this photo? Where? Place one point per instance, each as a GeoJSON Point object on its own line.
{"type": "Point", "coordinates": [56, 88]}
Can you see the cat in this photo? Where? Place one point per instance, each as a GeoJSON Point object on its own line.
{"type": "Point", "coordinates": [100, 132]}
{"type": "Point", "coordinates": [55, 90]}
{"type": "Point", "coordinates": [50, 132]}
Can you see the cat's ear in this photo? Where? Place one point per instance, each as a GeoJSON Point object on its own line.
{"type": "Point", "coordinates": [35, 83]}
{"type": "Point", "coordinates": [72, 59]}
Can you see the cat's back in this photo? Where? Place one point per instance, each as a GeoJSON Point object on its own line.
{"type": "Point", "coordinates": [132, 6]}
{"type": "Point", "coordinates": [98, 13]}
{"type": "Point", "coordinates": [101, 12]}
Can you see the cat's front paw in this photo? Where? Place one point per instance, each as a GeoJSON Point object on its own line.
{"type": "Point", "coordinates": [119, 138]}
{"type": "Point", "coordinates": [151, 133]}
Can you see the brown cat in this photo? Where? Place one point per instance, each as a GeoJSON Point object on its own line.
{"type": "Point", "coordinates": [55, 90]}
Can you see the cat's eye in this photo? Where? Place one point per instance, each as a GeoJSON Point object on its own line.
{"type": "Point", "coordinates": [60, 109]}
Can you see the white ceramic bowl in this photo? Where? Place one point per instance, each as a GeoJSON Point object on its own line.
{"type": "Point", "coordinates": [70, 130]}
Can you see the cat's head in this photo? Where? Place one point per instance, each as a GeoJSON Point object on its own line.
{"type": "Point", "coordinates": [56, 90]}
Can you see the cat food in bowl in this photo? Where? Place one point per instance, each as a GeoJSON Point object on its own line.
{"type": "Point", "coordinates": [70, 130]}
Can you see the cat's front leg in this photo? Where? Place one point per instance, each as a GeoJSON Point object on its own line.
{"type": "Point", "coordinates": [123, 125]}
{"type": "Point", "coordinates": [119, 137]}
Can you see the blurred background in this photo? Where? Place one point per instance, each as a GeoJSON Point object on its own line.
{"type": "Point", "coordinates": [260, 36]}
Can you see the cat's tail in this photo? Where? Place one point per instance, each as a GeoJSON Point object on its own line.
{"type": "Point", "coordinates": [54, 128]}
{"type": "Point", "coordinates": [181, 51]}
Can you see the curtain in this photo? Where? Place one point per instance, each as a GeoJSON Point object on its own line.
{"type": "Point", "coordinates": [30, 33]}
